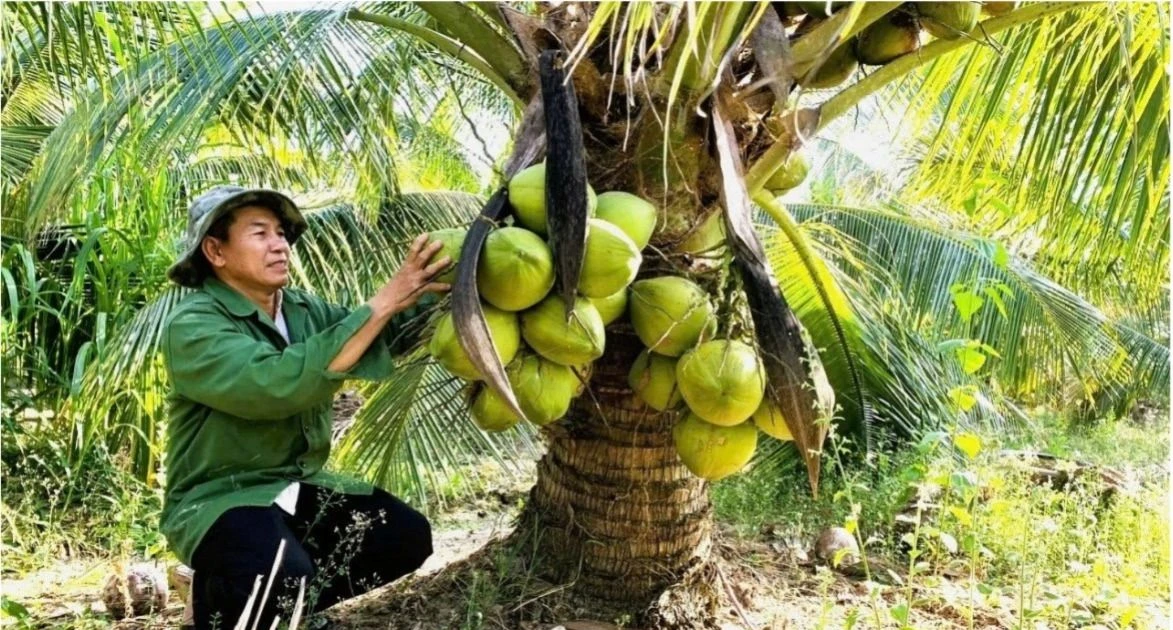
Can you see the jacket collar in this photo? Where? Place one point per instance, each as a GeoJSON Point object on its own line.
{"type": "Point", "coordinates": [238, 304]}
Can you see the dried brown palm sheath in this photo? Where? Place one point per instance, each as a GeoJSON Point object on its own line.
{"type": "Point", "coordinates": [777, 329]}
{"type": "Point", "coordinates": [771, 49]}
{"type": "Point", "coordinates": [566, 181]}
{"type": "Point", "coordinates": [467, 315]}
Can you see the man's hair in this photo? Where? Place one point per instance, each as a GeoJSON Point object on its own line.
{"type": "Point", "coordinates": [219, 231]}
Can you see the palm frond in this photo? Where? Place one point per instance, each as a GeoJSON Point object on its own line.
{"type": "Point", "coordinates": [959, 286]}
{"type": "Point", "coordinates": [1065, 121]}
{"type": "Point", "coordinates": [271, 78]}
{"type": "Point", "coordinates": [413, 436]}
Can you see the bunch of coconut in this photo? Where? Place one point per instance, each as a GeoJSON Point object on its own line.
{"type": "Point", "coordinates": [716, 386]}
{"type": "Point", "coordinates": [547, 353]}
{"type": "Point", "coordinates": [894, 35]}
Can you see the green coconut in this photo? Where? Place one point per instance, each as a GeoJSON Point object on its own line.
{"type": "Point", "coordinates": [949, 20]}
{"type": "Point", "coordinates": [998, 8]}
{"type": "Point", "coordinates": [544, 389]}
{"type": "Point", "coordinates": [790, 174]}
{"type": "Point", "coordinates": [490, 412]}
{"type": "Point", "coordinates": [635, 216]}
{"type": "Point", "coordinates": [712, 452]}
{"type": "Point", "coordinates": [611, 307]}
{"type": "Point", "coordinates": [722, 381]}
{"type": "Point", "coordinates": [670, 314]}
{"type": "Point", "coordinates": [453, 240]}
{"type": "Point", "coordinates": [575, 340]}
{"type": "Point", "coordinates": [836, 69]}
{"type": "Point", "coordinates": [770, 419]}
{"type": "Point", "coordinates": [820, 9]}
{"type": "Point", "coordinates": [527, 195]}
{"type": "Point", "coordinates": [707, 239]}
{"type": "Point", "coordinates": [653, 378]}
{"type": "Point", "coordinates": [886, 40]}
{"type": "Point", "coordinates": [609, 262]}
{"type": "Point", "coordinates": [445, 347]}
{"type": "Point", "coordinates": [516, 269]}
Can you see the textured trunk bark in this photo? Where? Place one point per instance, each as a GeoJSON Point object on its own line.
{"type": "Point", "coordinates": [616, 512]}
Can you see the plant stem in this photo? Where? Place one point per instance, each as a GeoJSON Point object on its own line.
{"type": "Point", "coordinates": [852, 95]}
{"type": "Point", "coordinates": [451, 47]}
{"type": "Point", "coordinates": [833, 31]}
{"type": "Point", "coordinates": [469, 27]}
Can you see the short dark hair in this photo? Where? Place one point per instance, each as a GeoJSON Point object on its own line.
{"type": "Point", "coordinates": [219, 231]}
{"type": "Point", "coordinates": [219, 228]}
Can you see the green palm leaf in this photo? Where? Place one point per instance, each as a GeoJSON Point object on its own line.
{"type": "Point", "coordinates": [1041, 331]}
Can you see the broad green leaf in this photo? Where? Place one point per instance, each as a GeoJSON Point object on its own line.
{"type": "Point", "coordinates": [961, 514]}
{"type": "Point", "coordinates": [967, 302]}
{"type": "Point", "coordinates": [968, 443]}
{"type": "Point", "coordinates": [899, 612]}
{"type": "Point", "coordinates": [972, 359]}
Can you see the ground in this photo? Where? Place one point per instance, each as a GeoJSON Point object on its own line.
{"type": "Point", "coordinates": [1042, 557]}
{"type": "Point", "coordinates": [775, 585]}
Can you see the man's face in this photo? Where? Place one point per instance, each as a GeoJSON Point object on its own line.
{"type": "Point", "coordinates": [255, 254]}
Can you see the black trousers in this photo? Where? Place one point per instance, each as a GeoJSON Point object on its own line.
{"type": "Point", "coordinates": [342, 544]}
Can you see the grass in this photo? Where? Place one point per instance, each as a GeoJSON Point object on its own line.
{"type": "Point", "coordinates": [1060, 558]}
{"type": "Point", "coordinates": [987, 543]}
{"type": "Point", "coordinates": [56, 510]}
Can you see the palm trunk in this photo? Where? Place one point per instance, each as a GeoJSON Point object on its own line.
{"type": "Point", "coordinates": [615, 511]}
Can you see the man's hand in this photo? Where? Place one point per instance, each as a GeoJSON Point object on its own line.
{"type": "Point", "coordinates": [413, 279]}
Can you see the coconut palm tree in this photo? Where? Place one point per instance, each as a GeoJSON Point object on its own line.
{"type": "Point", "coordinates": [927, 309]}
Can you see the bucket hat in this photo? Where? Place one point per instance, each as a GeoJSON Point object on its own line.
{"type": "Point", "coordinates": [215, 203]}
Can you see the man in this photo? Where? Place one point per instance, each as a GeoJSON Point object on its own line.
{"type": "Point", "coordinates": [254, 366]}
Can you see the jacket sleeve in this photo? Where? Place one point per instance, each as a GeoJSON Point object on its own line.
{"type": "Point", "coordinates": [396, 338]}
{"type": "Point", "coordinates": [213, 363]}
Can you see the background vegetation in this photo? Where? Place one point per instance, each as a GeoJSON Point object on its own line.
{"type": "Point", "coordinates": [1027, 305]}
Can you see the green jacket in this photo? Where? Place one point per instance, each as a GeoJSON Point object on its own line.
{"type": "Point", "coordinates": [248, 412]}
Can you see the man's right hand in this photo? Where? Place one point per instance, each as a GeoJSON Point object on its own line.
{"type": "Point", "coordinates": [413, 279]}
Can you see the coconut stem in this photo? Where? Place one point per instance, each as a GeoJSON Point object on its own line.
{"type": "Point", "coordinates": [833, 31]}
{"type": "Point", "coordinates": [444, 44]}
{"type": "Point", "coordinates": [852, 95]}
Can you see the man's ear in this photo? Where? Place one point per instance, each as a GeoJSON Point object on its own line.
{"type": "Point", "coordinates": [210, 246]}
